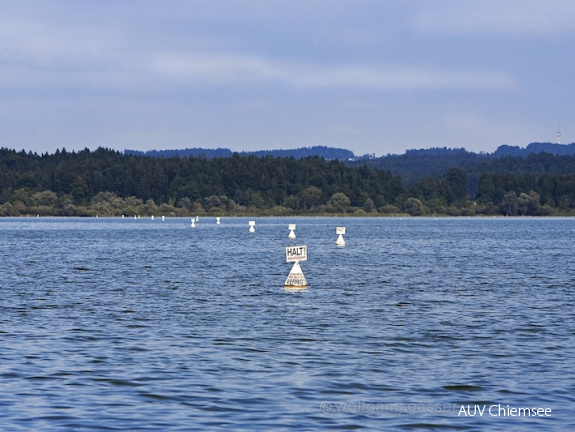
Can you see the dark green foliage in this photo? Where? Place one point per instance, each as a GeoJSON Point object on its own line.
{"type": "Point", "coordinates": [108, 182]}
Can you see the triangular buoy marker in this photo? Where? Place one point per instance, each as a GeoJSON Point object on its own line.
{"type": "Point", "coordinates": [340, 241]}
{"type": "Point", "coordinates": [252, 224]}
{"type": "Point", "coordinates": [291, 228]}
{"type": "Point", "coordinates": [295, 278]}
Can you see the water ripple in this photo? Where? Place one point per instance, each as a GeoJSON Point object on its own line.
{"type": "Point", "coordinates": [111, 324]}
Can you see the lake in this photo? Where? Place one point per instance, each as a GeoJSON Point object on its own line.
{"type": "Point", "coordinates": [417, 323]}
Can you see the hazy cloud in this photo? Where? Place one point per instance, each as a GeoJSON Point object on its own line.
{"type": "Point", "coordinates": [234, 69]}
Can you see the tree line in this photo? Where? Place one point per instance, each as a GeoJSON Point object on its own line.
{"type": "Point", "coordinates": [108, 183]}
{"type": "Point", "coordinates": [322, 151]}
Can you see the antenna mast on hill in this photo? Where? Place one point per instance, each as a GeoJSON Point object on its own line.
{"type": "Point", "coordinates": [558, 134]}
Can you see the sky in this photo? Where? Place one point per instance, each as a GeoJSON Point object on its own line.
{"type": "Point", "coordinates": [372, 76]}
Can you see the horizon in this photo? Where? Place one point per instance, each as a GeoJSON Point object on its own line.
{"type": "Point", "coordinates": [145, 152]}
{"type": "Point", "coordinates": [369, 76]}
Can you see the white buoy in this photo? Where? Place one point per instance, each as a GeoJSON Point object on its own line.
{"type": "Point", "coordinates": [218, 220]}
{"type": "Point", "coordinates": [340, 241]}
{"type": "Point", "coordinates": [295, 278]}
{"type": "Point", "coordinates": [193, 223]}
{"type": "Point", "coordinates": [252, 224]}
{"type": "Point", "coordinates": [135, 217]}
{"type": "Point", "coordinates": [291, 228]}
{"type": "Point", "coordinates": [122, 216]}
{"type": "Point", "coordinates": [197, 218]}
{"type": "Point", "coordinates": [163, 218]}
{"type": "Point", "coordinates": [152, 217]}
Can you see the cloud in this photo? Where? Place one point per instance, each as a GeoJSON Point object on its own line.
{"type": "Point", "coordinates": [82, 52]}
{"type": "Point", "coordinates": [255, 72]}
{"type": "Point", "coordinates": [514, 18]}
{"type": "Point", "coordinates": [231, 69]}
{"type": "Point", "coordinates": [215, 68]}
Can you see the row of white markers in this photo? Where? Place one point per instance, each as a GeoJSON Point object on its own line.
{"type": "Point", "coordinates": [294, 254]}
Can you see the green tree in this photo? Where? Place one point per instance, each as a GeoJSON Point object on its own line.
{"type": "Point", "coordinates": [528, 204]}
{"type": "Point", "coordinates": [455, 186]}
{"type": "Point", "coordinates": [509, 204]}
{"type": "Point", "coordinates": [414, 207]}
{"type": "Point", "coordinates": [185, 202]}
{"type": "Point", "coordinates": [310, 196]}
{"type": "Point", "coordinates": [339, 202]}
{"type": "Point", "coordinates": [45, 198]}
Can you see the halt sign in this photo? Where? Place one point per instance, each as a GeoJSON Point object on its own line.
{"type": "Point", "coordinates": [296, 253]}
{"type": "Point", "coordinates": [340, 230]}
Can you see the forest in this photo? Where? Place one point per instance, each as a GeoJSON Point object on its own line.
{"type": "Point", "coordinates": [109, 183]}
{"type": "Point", "coordinates": [322, 151]}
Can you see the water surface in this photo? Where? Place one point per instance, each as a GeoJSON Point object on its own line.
{"type": "Point", "coordinates": [124, 324]}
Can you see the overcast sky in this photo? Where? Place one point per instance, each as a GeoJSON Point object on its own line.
{"type": "Point", "coordinates": [371, 76]}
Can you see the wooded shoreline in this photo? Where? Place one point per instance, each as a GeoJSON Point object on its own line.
{"type": "Point", "coordinates": [108, 183]}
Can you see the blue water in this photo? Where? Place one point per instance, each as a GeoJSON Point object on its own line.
{"type": "Point", "coordinates": [124, 324]}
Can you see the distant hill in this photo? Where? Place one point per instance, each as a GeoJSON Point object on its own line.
{"type": "Point", "coordinates": [328, 153]}
{"type": "Point", "coordinates": [502, 150]}
{"type": "Point", "coordinates": [435, 162]}
{"type": "Point", "coordinates": [536, 147]}
{"type": "Point", "coordinates": [435, 151]}
{"type": "Point", "coordinates": [189, 152]}
{"type": "Point", "coordinates": [386, 162]}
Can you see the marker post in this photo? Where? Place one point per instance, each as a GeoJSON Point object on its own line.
{"type": "Point", "coordinates": [291, 228]}
{"type": "Point", "coordinates": [252, 224]}
{"type": "Point", "coordinates": [296, 279]}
